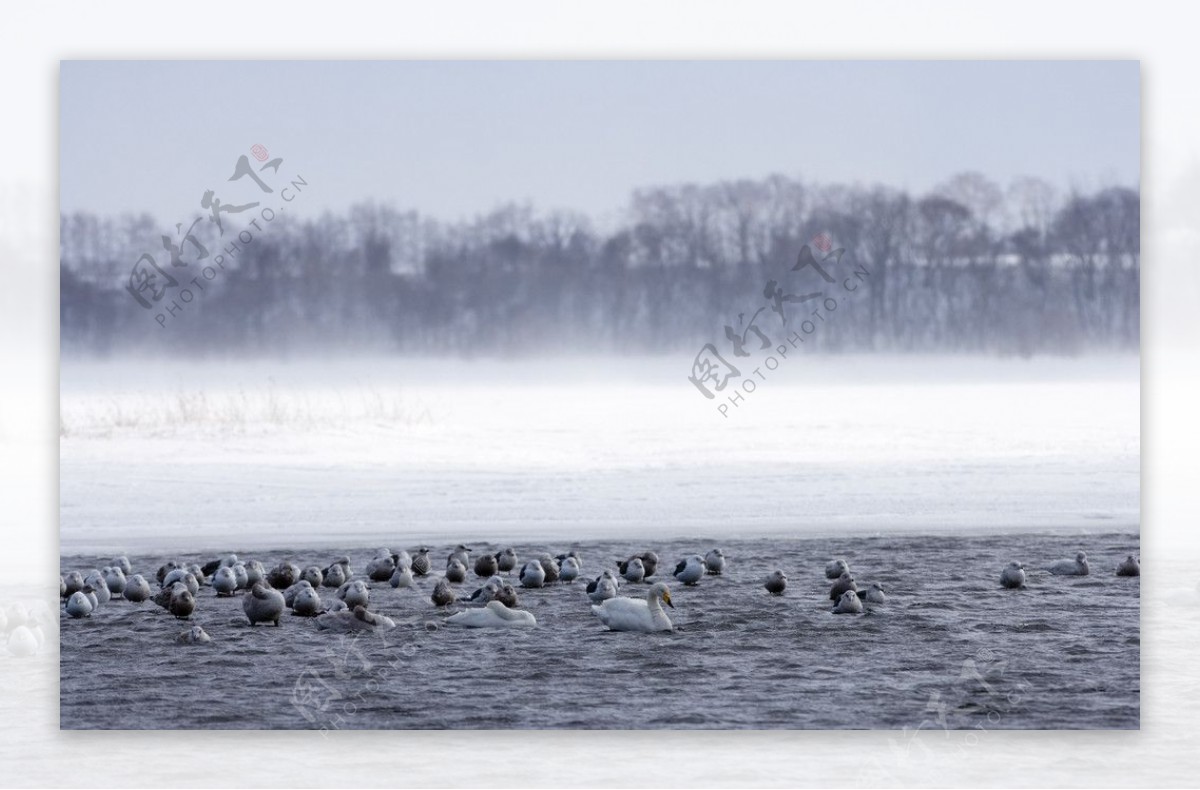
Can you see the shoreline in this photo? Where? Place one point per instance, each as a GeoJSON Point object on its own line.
{"type": "Point", "coordinates": [371, 541]}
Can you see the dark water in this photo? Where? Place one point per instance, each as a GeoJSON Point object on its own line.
{"type": "Point", "coordinates": [949, 649]}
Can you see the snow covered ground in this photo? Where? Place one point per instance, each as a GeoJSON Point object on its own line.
{"type": "Point", "coordinates": [184, 455]}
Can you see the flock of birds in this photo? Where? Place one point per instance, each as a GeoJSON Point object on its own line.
{"type": "Point", "coordinates": [268, 594]}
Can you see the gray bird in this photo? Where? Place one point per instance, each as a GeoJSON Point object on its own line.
{"type": "Point", "coordinates": [456, 571]}
{"type": "Point", "coordinates": [845, 583]}
{"type": "Point", "coordinates": [776, 582]}
{"type": "Point", "coordinates": [442, 594]}
{"type": "Point", "coordinates": [550, 566]}
{"type": "Point", "coordinates": [507, 596]}
{"type": "Point", "coordinates": [506, 560]}
{"type": "Point", "coordinates": [486, 566]}
{"type": "Point", "coordinates": [420, 563]}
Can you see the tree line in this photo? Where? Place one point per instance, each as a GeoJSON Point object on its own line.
{"type": "Point", "coordinates": [968, 267]}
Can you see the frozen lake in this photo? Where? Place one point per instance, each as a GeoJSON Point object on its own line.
{"type": "Point", "coordinates": [176, 455]}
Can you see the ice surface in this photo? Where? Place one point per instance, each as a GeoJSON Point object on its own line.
{"type": "Point", "coordinates": [184, 455]}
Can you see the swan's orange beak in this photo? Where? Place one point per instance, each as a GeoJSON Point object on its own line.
{"type": "Point", "coordinates": [667, 599]}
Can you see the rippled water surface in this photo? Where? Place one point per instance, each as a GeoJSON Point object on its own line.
{"type": "Point", "coordinates": [949, 649]}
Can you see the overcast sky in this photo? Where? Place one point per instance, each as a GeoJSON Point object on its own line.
{"type": "Point", "coordinates": [455, 138]}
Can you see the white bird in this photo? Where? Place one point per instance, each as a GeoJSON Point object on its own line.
{"type": "Point", "coordinates": [242, 576]}
{"type": "Point", "coordinates": [194, 636]}
{"type": "Point", "coordinates": [355, 593]}
{"type": "Point", "coordinates": [494, 615]}
{"type": "Point", "coordinates": [402, 576]}
{"type": "Point", "coordinates": [634, 571]}
{"type": "Point", "coordinates": [74, 583]}
{"type": "Point", "coordinates": [462, 554]}
{"type": "Point", "coordinates": [873, 594]}
{"type": "Point", "coordinates": [776, 582]}
{"type": "Point", "coordinates": [714, 562]}
{"type": "Point", "coordinates": [1076, 567]}
{"type": "Point", "coordinates": [634, 614]}
{"type": "Point", "coordinates": [23, 641]}
{"type": "Point", "coordinates": [183, 576]}
{"type": "Point", "coordinates": [137, 589]}
{"type": "Point", "coordinates": [603, 587]}
{"type": "Point", "coordinates": [122, 562]}
{"type": "Point", "coordinates": [307, 602]}
{"type": "Point", "coordinates": [313, 575]}
{"type": "Point", "coordinates": [533, 574]}
{"type": "Point", "coordinates": [569, 570]}
{"type": "Point", "coordinates": [848, 604]}
{"type": "Point", "coordinates": [690, 570]}
{"type": "Point", "coordinates": [114, 579]}
{"type": "Point", "coordinates": [836, 568]}
{"type": "Point", "coordinates": [255, 572]}
{"type": "Point", "coordinates": [79, 605]}
{"type": "Point", "coordinates": [339, 568]}
{"type": "Point", "coordinates": [1013, 577]}
{"type": "Point", "coordinates": [98, 589]}
{"type": "Point", "coordinates": [224, 581]}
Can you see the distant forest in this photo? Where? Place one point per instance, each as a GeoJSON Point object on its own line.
{"type": "Point", "coordinates": [968, 267]}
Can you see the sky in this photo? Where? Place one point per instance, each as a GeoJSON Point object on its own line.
{"type": "Point", "coordinates": [453, 139]}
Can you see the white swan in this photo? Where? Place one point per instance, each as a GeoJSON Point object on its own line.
{"type": "Point", "coordinates": [634, 614]}
{"type": "Point", "coordinates": [1076, 567]}
{"type": "Point", "coordinates": [494, 615]}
